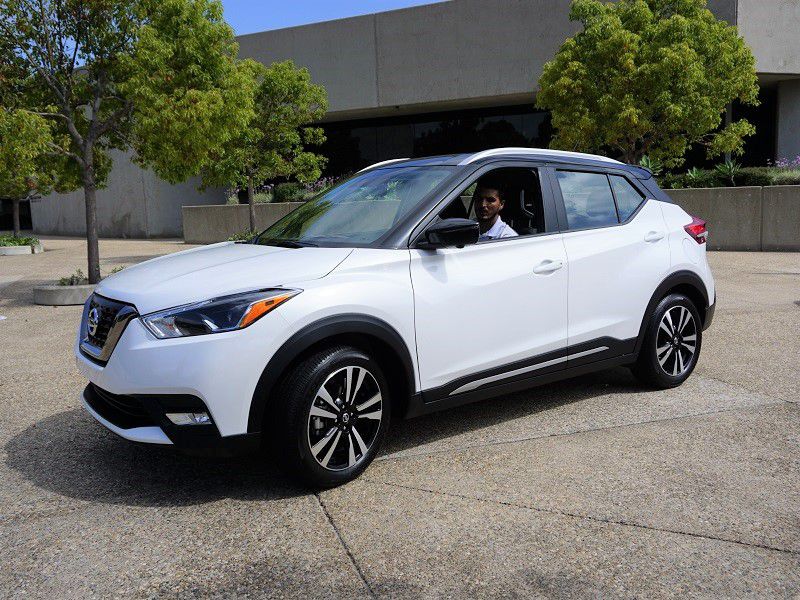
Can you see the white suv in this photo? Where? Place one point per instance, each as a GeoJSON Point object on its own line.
{"type": "Point", "coordinates": [377, 300]}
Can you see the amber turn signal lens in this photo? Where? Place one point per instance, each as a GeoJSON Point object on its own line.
{"type": "Point", "coordinates": [262, 307]}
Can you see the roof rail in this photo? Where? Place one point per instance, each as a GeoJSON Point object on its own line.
{"type": "Point", "coordinates": [534, 152]}
{"type": "Point", "coordinates": [382, 163]}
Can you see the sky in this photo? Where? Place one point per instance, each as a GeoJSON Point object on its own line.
{"type": "Point", "coordinates": [250, 16]}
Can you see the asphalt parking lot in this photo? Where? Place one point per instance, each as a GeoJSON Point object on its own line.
{"type": "Point", "coordinates": [592, 487]}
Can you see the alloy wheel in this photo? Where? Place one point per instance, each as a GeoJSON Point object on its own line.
{"type": "Point", "coordinates": [676, 342]}
{"type": "Point", "coordinates": [345, 417]}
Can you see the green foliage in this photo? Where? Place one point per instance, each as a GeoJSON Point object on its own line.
{"type": "Point", "coordinates": [160, 77]}
{"type": "Point", "coordinates": [729, 170]}
{"type": "Point", "coordinates": [654, 165]}
{"type": "Point", "coordinates": [754, 176]}
{"type": "Point", "coordinates": [720, 177]}
{"type": "Point", "coordinates": [786, 177]}
{"type": "Point", "coordinates": [288, 192]}
{"type": "Point", "coordinates": [26, 170]}
{"type": "Point", "coordinates": [189, 92]}
{"type": "Point", "coordinates": [242, 236]}
{"type": "Point", "coordinates": [648, 77]}
{"type": "Point", "coordinates": [273, 145]}
{"type": "Point", "coordinates": [10, 240]}
{"type": "Point", "coordinates": [77, 278]}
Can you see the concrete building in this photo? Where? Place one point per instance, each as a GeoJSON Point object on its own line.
{"type": "Point", "coordinates": [458, 76]}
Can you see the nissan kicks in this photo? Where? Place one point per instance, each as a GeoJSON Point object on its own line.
{"type": "Point", "coordinates": [413, 286]}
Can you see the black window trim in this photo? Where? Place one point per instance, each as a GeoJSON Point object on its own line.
{"type": "Point", "coordinates": [561, 206]}
{"type": "Point", "coordinates": [549, 203]}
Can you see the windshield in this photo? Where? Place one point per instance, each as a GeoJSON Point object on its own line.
{"type": "Point", "coordinates": [359, 211]}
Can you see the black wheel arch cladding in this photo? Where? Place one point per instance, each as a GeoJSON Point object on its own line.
{"type": "Point", "coordinates": [336, 329]}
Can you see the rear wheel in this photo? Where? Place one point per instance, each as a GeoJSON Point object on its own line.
{"type": "Point", "coordinates": [333, 411]}
{"type": "Point", "coordinates": [671, 344]}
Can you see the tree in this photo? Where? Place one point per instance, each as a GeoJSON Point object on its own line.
{"type": "Point", "coordinates": [158, 77]}
{"type": "Point", "coordinates": [25, 171]}
{"type": "Point", "coordinates": [648, 77]}
{"type": "Point", "coordinates": [273, 145]}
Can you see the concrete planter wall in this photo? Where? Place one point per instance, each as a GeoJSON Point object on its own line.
{"type": "Point", "coordinates": [209, 224]}
{"type": "Point", "coordinates": [62, 295]}
{"type": "Point", "coordinates": [21, 250]}
{"type": "Point", "coordinates": [742, 218]}
{"type": "Point", "coordinates": [746, 218]}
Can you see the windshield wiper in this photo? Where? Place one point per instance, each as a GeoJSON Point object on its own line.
{"type": "Point", "coordinates": [287, 243]}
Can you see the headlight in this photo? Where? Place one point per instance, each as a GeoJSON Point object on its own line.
{"type": "Point", "coordinates": [216, 315]}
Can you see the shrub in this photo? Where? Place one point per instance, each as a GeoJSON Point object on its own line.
{"type": "Point", "coordinates": [10, 240]}
{"type": "Point", "coordinates": [288, 192]}
{"type": "Point", "coordinates": [754, 176]}
{"type": "Point", "coordinates": [786, 177]}
{"type": "Point", "coordinates": [77, 278]}
{"type": "Point", "coordinates": [728, 171]}
{"type": "Point", "coordinates": [242, 236]}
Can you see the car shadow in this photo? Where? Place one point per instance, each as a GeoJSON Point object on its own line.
{"type": "Point", "coordinates": [70, 454]}
{"type": "Point", "coordinates": [409, 434]}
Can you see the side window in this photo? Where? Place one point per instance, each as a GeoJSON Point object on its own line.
{"type": "Point", "coordinates": [506, 202]}
{"type": "Point", "coordinates": [587, 199]}
{"type": "Point", "coordinates": [628, 197]}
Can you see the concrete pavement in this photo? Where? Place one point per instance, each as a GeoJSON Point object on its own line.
{"type": "Point", "coordinates": [592, 487]}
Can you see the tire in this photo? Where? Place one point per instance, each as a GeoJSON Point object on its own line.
{"type": "Point", "coordinates": [341, 438]}
{"type": "Point", "coordinates": [671, 345]}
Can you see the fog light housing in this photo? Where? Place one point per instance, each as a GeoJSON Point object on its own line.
{"type": "Point", "coordinates": [189, 418]}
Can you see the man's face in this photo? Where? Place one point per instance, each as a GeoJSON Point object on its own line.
{"type": "Point", "coordinates": [487, 204]}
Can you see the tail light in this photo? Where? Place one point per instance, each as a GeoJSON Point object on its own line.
{"type": "Point", "coordinates": [698, 230]}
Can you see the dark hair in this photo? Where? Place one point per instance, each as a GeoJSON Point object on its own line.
{"type": "Point", "coordinates": [493, 182]}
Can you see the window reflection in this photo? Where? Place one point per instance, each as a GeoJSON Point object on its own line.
{"type": "Point", "coordinates": [353, 145]}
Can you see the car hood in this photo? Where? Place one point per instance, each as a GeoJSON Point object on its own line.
{"type": "Point", "coordinates": [216, 270]}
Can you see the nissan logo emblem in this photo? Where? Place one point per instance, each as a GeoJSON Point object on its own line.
{"type": "Point", "coordinates": [93, 321]}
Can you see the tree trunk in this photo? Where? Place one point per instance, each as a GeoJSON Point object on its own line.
{"type": "Point", "coordinates": [15, 215]}
{"type": "Point", "coordinates": [92, 246]}
{"type": "Point", "coordinates": [251, 203]}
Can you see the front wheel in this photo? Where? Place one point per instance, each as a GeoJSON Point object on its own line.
{"type": "Point", "coordinates": [671, 343]}
{"type": "Point", "coordinates": [332, 414]}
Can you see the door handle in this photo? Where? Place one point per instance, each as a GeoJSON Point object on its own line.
{"type": "Point", "coordinates": [548, 266]}
{"type": "Point", "coordinates": [654, 236]}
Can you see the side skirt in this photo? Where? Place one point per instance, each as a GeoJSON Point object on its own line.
{"type": "Point", "coordinates": [431, 401]}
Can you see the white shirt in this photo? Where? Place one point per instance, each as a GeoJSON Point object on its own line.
{"type": "Point", "coordinates": [500, 229]}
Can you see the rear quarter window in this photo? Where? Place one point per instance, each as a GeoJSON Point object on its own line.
{"type": "Point", "coordinates": [628, 197]}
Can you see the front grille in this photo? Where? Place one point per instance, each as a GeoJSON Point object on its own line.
{"type": "Point", "coordinates": [99, 336]}
{"type": "Point", "coordinates": [108, 309]}
{"type": "Point", "coordinates": [125, 412]}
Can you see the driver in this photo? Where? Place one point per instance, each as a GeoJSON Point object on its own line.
{"type": "Point", "coordinates": [489, 200]}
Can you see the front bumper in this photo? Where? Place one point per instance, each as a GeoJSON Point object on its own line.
{"type": "Point", "coordinates": [142, 419]}
{"type": "Point", "coordinates": [218, 372]}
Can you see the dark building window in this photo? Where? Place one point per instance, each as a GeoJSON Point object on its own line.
{"type": "Point", "coordinates": [353, 145]}
{"type": "Point", "coordinates": [758, 148]}
{"type": "Point", "coordinates": [6, 215]}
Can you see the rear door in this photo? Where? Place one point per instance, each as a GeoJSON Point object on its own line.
{"type": "Point", "coordinates": [615, 241]}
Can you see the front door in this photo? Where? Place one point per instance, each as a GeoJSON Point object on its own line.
{"type": "Point", "coordinates": [495, 311]}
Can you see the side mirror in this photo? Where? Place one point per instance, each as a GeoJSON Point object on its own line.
{"type": "Point", "coordinates": [450, 232]}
